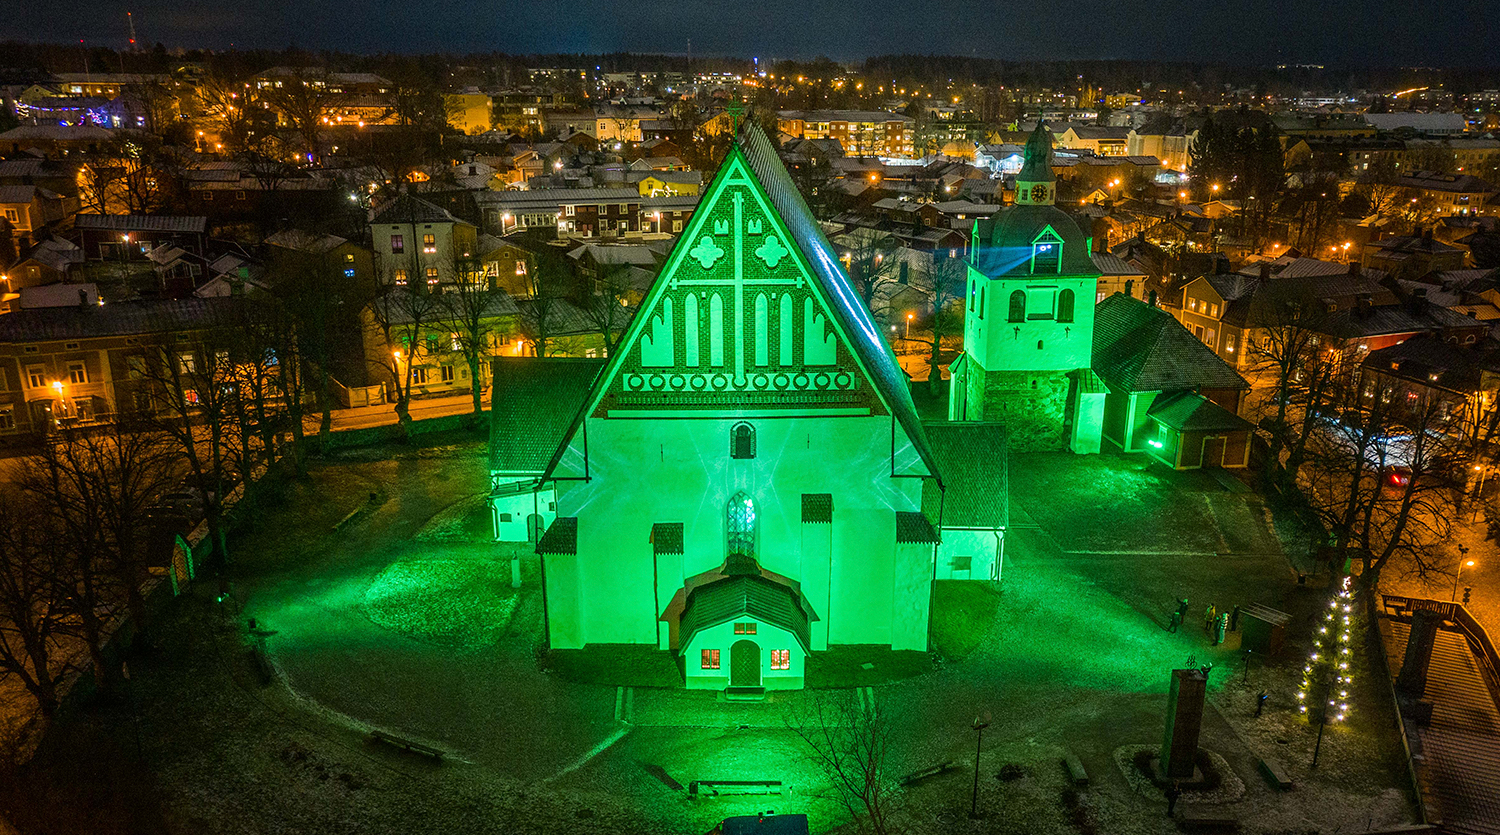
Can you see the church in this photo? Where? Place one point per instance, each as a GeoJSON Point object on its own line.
{"type": "Point", "coordinates": [741, 482]}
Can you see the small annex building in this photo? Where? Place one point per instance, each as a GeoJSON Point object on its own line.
{"type": "Point", "coordinates": [532, 402]}
{"type": "Point", "coordinates": [1168, 394]}
{"type": "Point", "coordinates": [973, 502]}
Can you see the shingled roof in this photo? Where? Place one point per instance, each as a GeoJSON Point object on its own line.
{"type": "Point", "coordinates": [1138, 347]}
{"type": "Point", "coordinates": [409, 209]}
{"type": "Point", "coordinates": [972, 459]}
{"type": "Point", "coordinates": [751, 595]}
{"type": "Point", "coordinates": [1189, 412]}
{"type": "Point", "coordinates": [125, 318]}
{"type": "Point", "coordinates": [533, 401]}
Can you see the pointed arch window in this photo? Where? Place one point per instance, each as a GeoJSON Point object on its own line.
{"type": "Point", "coordinates": [742, 441]}
{"type": "Point", "coordinates": [1065, 306]}
{"type": "Point", "coordinates": [1018, 306]}
{"type": "Point", "coordinates": [1046, 253]}
{"type": "Point", "coordinates": [740, 524]}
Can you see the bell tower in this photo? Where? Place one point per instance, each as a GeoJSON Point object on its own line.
{"type": "Point", "coordinates": [1029, 320]}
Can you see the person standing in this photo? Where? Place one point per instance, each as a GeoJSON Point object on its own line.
{"type": "Point", "coordinates": [1182, 609]}
{"type": "Point", "coordinates": [1209, 615]}
{"type": "Point", "coordinates": [1176, 622]}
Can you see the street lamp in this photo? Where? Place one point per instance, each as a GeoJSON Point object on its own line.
{"type": "Point", "coordinates": [1463, 551]}
{"type": "Point", "coordinates": [906, 332]}
{"type": "Point", "coordinates": [979, 726]}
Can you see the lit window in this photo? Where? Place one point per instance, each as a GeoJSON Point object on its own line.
{"type": "Point", "coordinates": [348, 258]}
{"type": "Point", "coordinates": [432, 275]}
{"type": "Point", "coordinates": [781, 659]}
{"type": "Point", "coordinates": [401, 278]}
{"type": "Point", "coordinates": [744, 628]}
{"type": "Point", "coordinates": [709, 659]}
{"type": "Point", "coordinates": [398, 245]}
{"type": "Point", "coordinates": [348, 272]}
{"type": "Point", "coordinates": [429, 244]}
{"type": "Point", "coordinates": [520, 268]}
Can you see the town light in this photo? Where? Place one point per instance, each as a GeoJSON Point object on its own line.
{"type": "Point", "coordinates": [397, 355]}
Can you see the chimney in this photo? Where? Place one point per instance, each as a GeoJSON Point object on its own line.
{"type": "Point", "coordinates": [1354, 269]}
{"type": "Point", "coordinates": [83, 299]}
{"type": "Point", "coordinates": [1265, 270]}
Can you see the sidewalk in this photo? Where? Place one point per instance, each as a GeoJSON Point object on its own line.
{"type": "Point", "coordinates": [384, 414]}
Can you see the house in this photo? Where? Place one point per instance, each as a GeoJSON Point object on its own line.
{"type": "Point", "coordinates": [1168, 394]}
{"type": "Point", "coordinates": [129, 237]}
{"type": "Point", "coordinates": [28, 210]}
{"type": "Point", "coordinates": [1412, 256]}
{"type": "Point", "coordinates": [1116, 275]}
{"type": "Point", "coordinates": [419, 244]}
{"type": "Point", "coordinates": [1102, 141]}
{"type": "Point", "coordinates": [1452, 194]}
{"type": "Point", "coordinates": [729, 490]}
{"type": "Point", "coordinates": [664, 183]}
{"type": "Point", "coordinates": [973, 501]}
{"type": "Point", "coordinates": [1434, 379]}
{"type": "Point", "coordinates": [49, 261]}
{"type": "Point", "coordinates": [54, 141]}
{"type": "Point", "coordinates": [326, 252]}
{"type": "Point", "coordinates": [71, 360]}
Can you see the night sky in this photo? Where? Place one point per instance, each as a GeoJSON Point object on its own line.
{"type": "Point", "coordinates": [1362, 32]}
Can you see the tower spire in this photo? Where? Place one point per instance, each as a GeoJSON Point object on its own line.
{"type": "Point", "coordinates": [1036, 185]}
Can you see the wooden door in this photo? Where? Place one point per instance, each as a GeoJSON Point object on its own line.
{"type": "Point", "coordinates": [744, 664]}
{"type": "Point", "coordinates": [1213, 452]}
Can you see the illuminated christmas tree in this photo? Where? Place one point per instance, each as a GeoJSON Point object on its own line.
{"type": "Point", "coordinates": [1327, 672]}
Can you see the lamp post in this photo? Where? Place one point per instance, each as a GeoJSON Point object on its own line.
{"type": "Point", "coordinates": [906, 330]}
{"type": "Point", "coordinates": [1463, 551]}
{"type": "Point", "coordinates": [979, 726]}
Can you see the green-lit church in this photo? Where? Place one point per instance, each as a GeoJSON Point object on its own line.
{"type": "Point", "coordinates": [741, 483]}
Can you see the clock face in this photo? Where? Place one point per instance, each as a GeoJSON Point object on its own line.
{"type": "Point", "coordinates": [1038, 192]}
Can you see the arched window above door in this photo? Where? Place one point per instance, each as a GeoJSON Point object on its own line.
{"type": "Point", "coordinates": [740, 524]}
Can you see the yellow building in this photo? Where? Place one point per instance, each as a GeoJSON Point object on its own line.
{"type": "Point", "coordinates": [469, 112]}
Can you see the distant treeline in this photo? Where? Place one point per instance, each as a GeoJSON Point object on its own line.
{"type": "Point", "coordinates": [18, 59]}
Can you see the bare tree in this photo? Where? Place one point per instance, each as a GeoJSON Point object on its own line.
{"type": "Point", "coordinates": [540, 315]}
{"type": "Point", "coordinates": [607, 307]}
{"type": "Point", "coordinates": [32, 597]}
{"type": "Point", "coordinates": [472, 308]}
{"type": "Point", "coordinates": [949, 281]}
{"type": "Point", "coordinates": [1381, 480]}
{"type": "Point", "coordinates": [869, 259]}
{"type": "Point", "coordinates": [401, 317]}
{"type": "Point", "coordinates": [303, 99]}
{"type": "Point", "coordinates": [851, 742]}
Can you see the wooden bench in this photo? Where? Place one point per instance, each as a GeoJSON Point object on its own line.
{"type": "Point", "coordinates": [1076, 772]}
{"type": "Point", "coordinates": [1275, 774]}
{"type": "Point", "coordinates": [930, 771]}
{"type": "Point", "coordinates": [713, 788]}
{"type": "Point", "coordinates": [1191, 819]}
{"type": "Point", "coordinates": [406, 745]}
